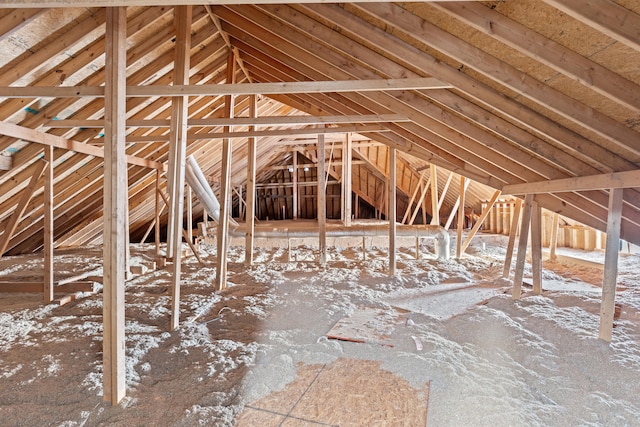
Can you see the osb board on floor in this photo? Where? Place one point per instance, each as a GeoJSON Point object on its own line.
{"type": "Point", "coordinates": [345, 393]}
{"type": "Point", "coordinates": [367, 325]}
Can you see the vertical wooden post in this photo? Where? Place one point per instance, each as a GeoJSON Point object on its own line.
{"type": "Point", "coordinates": [157, 213]}
{"type": "Point", "coordinates": [610, 277]}
{"type": "Point", "coordinates": [435, 214]}
{"type": "Point", "coordinates": [536, 247]}
{"type": "Point", "coordinates": [225, 183]}
{"type": "Point", "coordinates": [251, 185]}
{"type": "Point", "coordinates": [522, 246]}
{"type": "Point", "coordinates": [513, 233]}
{"type": "Point", "coordinates": [178, 138]}
{"type": "Point", "coordinates": [189, 197]}
{"type": "Point", "coordinates": [463, 190]}
{"type": "Point", "coordinates": [347, 165]}
{"type": "Point", "coordinates": [392, 211]}
{"type": "Point", "coordinates": [48, 225]}
{"type": "Point", "coordinates": [115, 201]}
{"type": "Point", "coordinates": [294, 185]}
{"type": "Point", "coordinates": [322, 200]}
{"type": "Point", "coordinates": [554, 237]}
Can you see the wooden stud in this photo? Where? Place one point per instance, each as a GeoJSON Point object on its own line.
{"type": "Point", "coordinates": [513, 233]}
{"type": "Point", "coordinates": [322, 201]}
{"type": "Point", "coordinates": [454, 209]}
{"type": "Point", "coordinates": [478, 224]}
{"type": "Point", "coordinates": [115, 194]}
{"type": "Point", "coordinates": [413, 196]}
{"type": "Point", "coordinates": [463, 190]}
{"type": "Point", "coordinates": [157, 214]}
{"type": "Point", "coordinates": [39, 137]}
{"type": "Point", "coordinates": [536, 247]}
{"type": "Point", "coordinates": [610, 277]}
{"type": "Point", "coordinates": [189, 200]}
{"type": "Point", "coordinates": [444, 191]}
{"type": "Point", "coordinates": [251, 186]}
{"type": "Point", "coordinates": [435, 214]}
{"type": "Point", "coordinates": [5, 238]}
{"type": "Point", "coordinates": [294, 182]}
{"type": "Point", "coordinates": [392, 211]}
{"type": "Point", "coordinates": [225, 183]}
{"type": "Point", "coordinates": [178, 136]}
{"type": "Point", "coordinates": [423, 195]}
{"type": "Point", "coordinates": [522, 246]}
{"type": "Point", "coordinates": [48, 226]}
{"type": "Point", "coordinates": [347, 154]}
{"type": "Point", "coordinates": [554, 237]}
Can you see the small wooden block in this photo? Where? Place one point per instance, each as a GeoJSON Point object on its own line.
{"type": "Point", "coordinates": [138, 269]}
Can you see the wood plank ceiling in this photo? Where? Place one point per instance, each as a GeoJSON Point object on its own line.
{"type": "Point", "coordinates": [540, 90]}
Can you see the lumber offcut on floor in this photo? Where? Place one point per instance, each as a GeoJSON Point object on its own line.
{"type": "Point", "coordinates": [346, 392]}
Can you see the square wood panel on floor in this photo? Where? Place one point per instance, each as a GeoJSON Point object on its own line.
{"type": "Point", "coordinates": [346, 392]}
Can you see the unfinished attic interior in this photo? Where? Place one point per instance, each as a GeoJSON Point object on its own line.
{"type": "Point", "coordinates": [340, 214]}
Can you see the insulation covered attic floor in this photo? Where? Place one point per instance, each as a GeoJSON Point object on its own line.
{"type": "Point", "coordinates": [443, 343]}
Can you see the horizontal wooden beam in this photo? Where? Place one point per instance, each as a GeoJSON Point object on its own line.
{"type": "Point", "coordinates": [124, 3]}
{"type": "Point", "coordinates": [261, 133]}
{"type": "Point", "coordinates": [628, 179]}
{"type": "Point", "coordinates": [31, 135]}
{"type": "Point", "coordinates": [272, 88]}
{"type": "Point", "coordinates": [38, 287]}
{"type": "Point", "coordinates": [240, 121]}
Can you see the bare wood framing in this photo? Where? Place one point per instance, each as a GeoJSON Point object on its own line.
{"type": "Point", "coordinates": [115, 200]}
{"type": "Point", "coordinates": [157, 214]}
{"type": "Point", "coordinates": [322, 200]}
{"type": "Point", "coordinates": [225, 89]}
{"type": "Point", "coordinates": [423, 195]}
{"type": "Point", "coordinates": [435, 214]}
{"type": "Point", "coordinates": [463, 190]}
{"type": "Point", "coordinates": [610, 276]}
{"type": "Point", "coordinates": [513, 233]}
{"type": "Point", "coordinates": [522, 246]}
{"type": "Point", "coordinates": [241, 121]}
{"type": "Point", "coordinates": [454, 209]}
{"type": "Point", "coordinates": [605, 181]}
{"type": "Point", "coordinates": [178, 132]}
{"type": "Point", "coordinates": [251, 186]}
{"type": "Point", "coordinates": [391, 190]}
{"type": "Point", "coordinates": [480, 221]}
{"type": "Point", "coordinates": [48, 226]}
{"type": "Point", "coordinates": [22, 206]}
{"type": "Point", "coordinates": [6, 162]}
{"type": "Point", "coordinates": [264, 133]}
{"type": "Point", "coordinates": [124, 3]}
{"type": "Point", "coordinates": [554, 237]}
{"type": "Point", "coordinates": [549, 52]}
{"type": "Point", "coordinates": [37, 287]}
{"type": "Point", "coordinates": [413, 196]}
{"type": "Point", "coordinates": [225, 183]}
{"type": "Point", "coordinates": [536, 247]}
{"type": "Point", "coordinates": [21, 132]}
{"type": "Point", "coordinates": [607, 16]}
{"type": "Point", "coordinates": [347, 177]}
